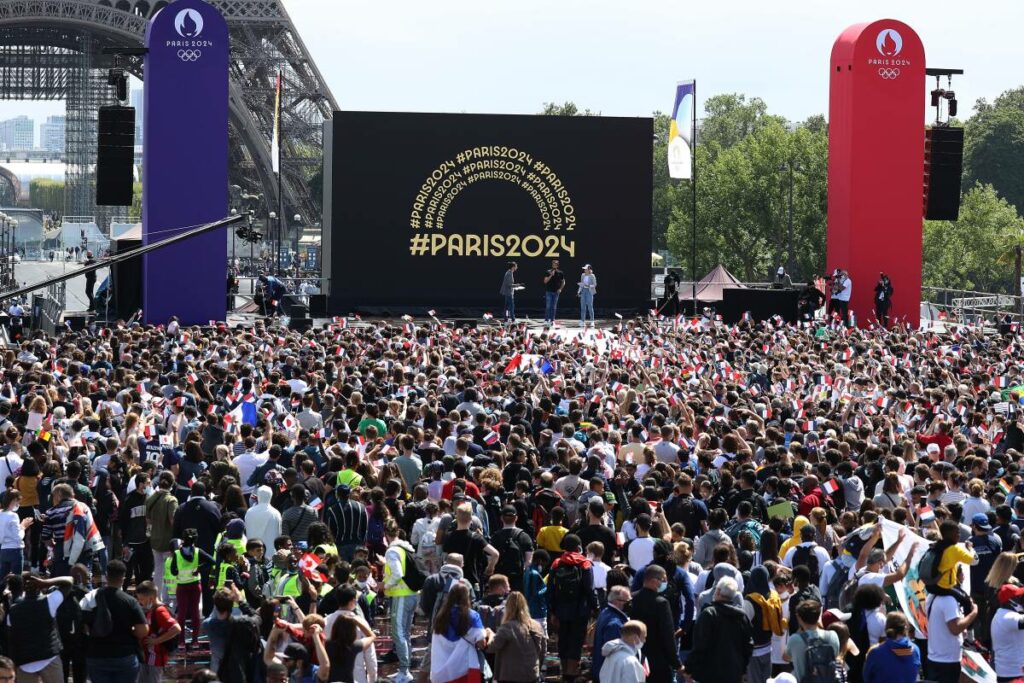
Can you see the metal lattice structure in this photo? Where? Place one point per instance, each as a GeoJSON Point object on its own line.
{"type": "Point", "coordinates": [53, 49]}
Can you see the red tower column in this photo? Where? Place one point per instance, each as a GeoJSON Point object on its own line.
{"type": "Point", "coordinates": [876, 163]}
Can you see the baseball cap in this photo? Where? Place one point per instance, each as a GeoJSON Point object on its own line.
{"type": "Point", "coordinates": [980, 520]}
{"type": "Point", "coordinates": [295, 651]}
{"type": "Point", "coordinates": [933, 448]}
{"type": "Point", "coordinates": [508, 511]}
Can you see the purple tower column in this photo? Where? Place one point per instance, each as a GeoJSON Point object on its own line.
{"type": "Point", "coordinates": [185, 162]}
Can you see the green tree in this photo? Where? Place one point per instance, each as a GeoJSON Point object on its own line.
{"type": "Point", "coordinates": [567, 108]}
{"type": "Point", "coordinates": [744, 156]}
{"type": "Point", "coordinates": [994, 146]}
{"type": "Point", "coordinates": [47, 194]}
{"type": "Point", "coordinates": [975, 252]}
{"type": "Point", "coordinates": [135, 211]}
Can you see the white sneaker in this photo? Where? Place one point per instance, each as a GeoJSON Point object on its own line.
{"type": "Point", "coordinates": [402, 677]}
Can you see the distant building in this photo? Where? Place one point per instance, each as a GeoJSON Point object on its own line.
{"type": "Point", "coordinates": [137, 102]}
{"type": "Point", "coordinates": [51, 134]}
{"type": "Point", "coordinates": [17, 134]}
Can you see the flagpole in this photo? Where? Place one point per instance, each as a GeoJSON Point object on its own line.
{"type": "Point", "coordinates": [693, 190]}
{"type": "Point", "coordinates": [280, 173]}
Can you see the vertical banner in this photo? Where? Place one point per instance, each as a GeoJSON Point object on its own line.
{"type": "Point", "coordinates": [185, 162]}
{"type": "Point", "coordinates": [680, 132]}
{"type": "Point", "coordinates": [275, 141]}
{"type": "Point", "coordinates": [876, 164]}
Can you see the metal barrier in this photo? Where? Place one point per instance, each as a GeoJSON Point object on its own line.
{"type": "Point", "coordinates": [968, 307]}
{"type": "Point", "coordinates": [48, 307]}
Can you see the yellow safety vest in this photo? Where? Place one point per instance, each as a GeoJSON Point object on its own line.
{"type": "Point", "coordinates": [400, 588]}
{"type": "Point", "coordinates": [327, 548]}
{"type": "Point", "coordinates": [289, 587]}
{"type": "Point", "coordinates": [238, 543]}
{"type": "Point", "coordinates": [188, 572]}
{"type": "Point", "coordinates": [170, 580]}
{"type": "Point", "coordinates": [349, 478]}
{"type": "Point", "coordinates": [222, 576]}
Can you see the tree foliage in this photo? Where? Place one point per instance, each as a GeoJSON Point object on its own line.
{"type": "Point", "coordinates": [744, 155]}
{"type": "Point", "coordinates": [977, 251]}
{"type": "Point", "coordinates": [47, 194]}
{"type": "Point", "coordinates": [994, 146]}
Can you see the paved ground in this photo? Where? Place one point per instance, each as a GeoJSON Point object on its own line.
{"type": "Point", "coordinates": [30, 272]}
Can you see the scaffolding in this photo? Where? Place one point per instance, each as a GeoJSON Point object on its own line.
{"type": "Point", "coordinates": [87, 91]}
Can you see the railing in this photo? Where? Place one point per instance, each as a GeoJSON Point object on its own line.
{"type": "Point", "coordinates": [48, 307]}
{"type": "Point", "coordinates": [968, 307]}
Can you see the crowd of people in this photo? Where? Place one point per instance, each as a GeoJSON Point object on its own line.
{"type": "Point", "coordinates": [650, 500]}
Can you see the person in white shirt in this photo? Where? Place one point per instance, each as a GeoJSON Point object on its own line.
{"type": "Point", "coordinates": [1008, 633]}
{"type": "Point", "coordinates": [247, 463]}
{"type": "Point", "coordinates": [12, 535]}
{"type": "Point", "coordinates": [595, 553]}
{"type": "Point", "coordinates": [946, 626]}
{"type": "Point", "coordinates": [640, 551]}
{"type": "Point", "coordinates": [10, 463]}
{"type": "Point", "coordinates": [366, 661]}
{"type": "Point", "coordinates": [665, 451]}
{"type": "Point", "coordinates": [807, 535]}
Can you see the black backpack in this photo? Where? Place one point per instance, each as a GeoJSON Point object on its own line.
{"type": "Point", "coordinates": [681, 510]}
{"type": "Point", "coordinates": [928, 569]}
{"type": "Point", "coordinates": [805, 555]}
{"type": "Point", "coordinates": [569, 579]}
{"type": "Point", "coordinates": [834, 589]}
{"type": "Point", "coordinates": [99, 620]}
{"type": "Point", "coordinates": [414, 577]}
{"type": "Point", "coordinates": [820, 664]}
{"type": "Point", "coordinates": [510, 554]}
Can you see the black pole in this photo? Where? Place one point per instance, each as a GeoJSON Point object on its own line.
{"type": "Point", "coordinates": [693, 198]}
{"type": "Point", "coordinates": [111, 260]}
{"type": "Point", "coordinates": [789, 264]}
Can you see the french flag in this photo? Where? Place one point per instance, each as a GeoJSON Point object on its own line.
{"type": "Point", "coordinates": [491, 438]}
{"type": "Point", "coordinates": [830, 486]}
{"type": "Point", "coordinates": [926, 514]}
{"type": "Point", "coordinates": [192, 377]}
{"type": "Point", "coordinates": [316, 504]}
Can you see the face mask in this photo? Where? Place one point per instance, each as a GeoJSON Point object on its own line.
{"type": "Point", "coordinates": [149, 490]}
{"type": "Point", "coordinates": [15, 508]}
{"type": "Point", "coordinates": [663, 587]}
{"type": "Point", "coordinates": [361, 584]}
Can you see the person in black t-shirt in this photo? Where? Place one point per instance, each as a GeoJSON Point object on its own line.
{"type": "Point", "coordinates": [114, 657]}
{"type": "Point", "coordinates": [597, 530]}
{"type": "Point", "coordinates": [472, 546]}
{"type": "Point", "coordinates": [554, 281]}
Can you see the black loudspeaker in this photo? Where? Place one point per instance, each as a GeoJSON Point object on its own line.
{"type": "Point", "coordinates": [318, 305]}
{"type": "Point", "coordinates": [115, 156]}
{"type": "Point", "coordinates": [294, 306]}
{"type": "Point", "coordinates": [943, 166]}
{"type": "Point", "coordinates": [300, 324]}
{"type": "Point", "coordinates": [126, 278]}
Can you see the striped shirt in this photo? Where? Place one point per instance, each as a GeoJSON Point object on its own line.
{"type": "Point", "coordinates": [347, 521]}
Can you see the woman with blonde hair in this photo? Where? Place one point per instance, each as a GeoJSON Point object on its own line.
{"type": "Point", "coordinates": [1002, 571]}
{"type": "Point", "coordinates": [519, 644]}
{"type": "Point", "coordinates": [824, 534]}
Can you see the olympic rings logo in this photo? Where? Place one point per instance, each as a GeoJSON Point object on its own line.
{"type": "Point", "coordinates": [189, 55]}
{"type": "Point", "coordinates": [889, 74]}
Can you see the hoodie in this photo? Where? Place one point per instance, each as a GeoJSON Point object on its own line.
{"type": "Point", "coordinates": [704, 550]}
{"type": "Point", "coordinates": [564, 605]}
{"type": "Point", "coordinates": [799, 523]}
{"type": "Point", "coordinates": [262, 520]}
{"type": "Point", "coordinates": [721, 569]}
{"type": "Point", "coordinates": [436, 586]}
{"type": "Point", "coordinates": [621, 663]}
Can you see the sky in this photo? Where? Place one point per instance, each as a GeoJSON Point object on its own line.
{"type": "Point", "coordinates": [622, 57]}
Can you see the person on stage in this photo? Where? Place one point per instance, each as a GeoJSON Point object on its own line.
{"type": "Point", "coordinates": [508, 290]}
{"type": "Point", "coordinates": [554, 281]}
{"type": "Point", "coordinates": [587, 290]}
{"type": "Point", "coordinates": [782, 280]}
{"type": "Point", "coordinates": [842, 288]}
{"type": "Point", "coordinates": [90, 279]}
{"type": "Point", "coordinates": [273, 291]}
{"type": "Point", "coordinates": [883, 299]}
{"type": "Point", "coordinates": [810, 300]}
{"type": "Point", "coordinates": [670, 306]}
